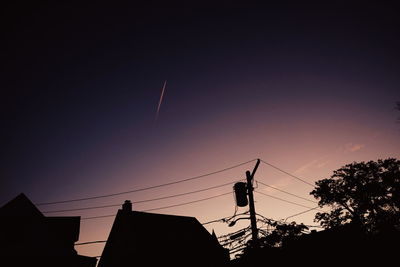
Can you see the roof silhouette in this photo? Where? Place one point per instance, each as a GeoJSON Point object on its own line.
{"type": "Point", "coordinates": [20, 206]}
{"type": "Point", "coordinates": [43, 241]}
{"type": "Point", "coordinates": [148, 238]}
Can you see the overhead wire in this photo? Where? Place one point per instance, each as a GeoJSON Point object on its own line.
{"type": "Point", "coordinates": [225, 237]}
{"type": "Point", "coordinates": [238, 231]}
{"type": "Point", "coordinates": [217, 220]}
{"type": "Point", "coordinates": [171, 183]}
{"type": "Point", "coordinates": [235, 211]}
{"type": "Point", "coordinates": [85, 208]}
{"type": "Point", "coordinates": [187, 203]}
{"type": "Point", "coordinates": [204, 199]}
{"type": "Point", "coordinates": [224, 219]}
{"type": "Point", "coordinates": [287, 173]}
{"type": "Point", "coordinates": [238, 248]}
{"type": "Point", "coordinates": [239, 240]}
{"type": "Point", "coordinates": [283, 222]}
{"type": "Point", "coordinates": [90, 242]}
{"type": "Point", "coordinates": [300, 213]}
{"type": "Point", "coordinates": [97, 217]}
{"type": "Point", "coordinates": [144, 188]}
{"type": "Point", "coordinates": [283, 191]}
{"type": "Point", "coordinates": [165, 207]}
{"type": "Point", "coordinates": [186, 193]}
{"type": "Point", "coordinates": [141, 201]}
{"type": "Point", "coordinates": [281, 199]}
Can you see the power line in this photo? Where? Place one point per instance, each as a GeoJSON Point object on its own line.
{"type": "Point", "coordinates": [217, 220]}
{"type": "Point", "coordinates": [85, 208]}
{"type": "Point", "coordinates": [227, 236]}
{"type": "Point", "coordinates": [90, 242]}
{"type": "Point", "coordinates": [225, 218]}
{"type": "Point", "coordinates": [286, 192]}
{"type": "Point", "coordinates": [237, 249]}
{"type": "Point", "coordinates": [285, 172]}
{"type": "Point", "coordinates": [98, 217]}
{"type": "Point", "coordinates": [145, 188]}
{"type": "Point", "coordinates": [214, 221]}
{"type": "Point", "coordinates": [294, 203]}
{"type": "Point", "coordinates": [165, 207]}
{"type": "Point", "coordinates": [280, 222]}
{"type": "Point", "coordinates": [265, 218]}
{"type": "Point", "coordinates": [229, 242]}
{"type": "Point", "coordinates": [302, 213]}
{"type": "Point", "coordinates": [141, 201]}
{"type": "Point", "coordinates": [190, 202]}
{"type": "Point", "coordinates": [103, 241]}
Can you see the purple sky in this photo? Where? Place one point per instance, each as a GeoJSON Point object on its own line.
{"type": "Point", "coordinates": [307, 88]}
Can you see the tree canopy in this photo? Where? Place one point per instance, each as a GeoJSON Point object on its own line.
{"type": "Point", "coordinates": [283, 232]}
{"type": "Point", "coordinates": [364, 193]}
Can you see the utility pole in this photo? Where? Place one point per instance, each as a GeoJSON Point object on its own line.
{"type": "Point", "coordinates": [250, 178]}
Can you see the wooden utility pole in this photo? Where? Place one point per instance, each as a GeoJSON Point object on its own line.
{"type": "Point", "coordinates": [254, 230]}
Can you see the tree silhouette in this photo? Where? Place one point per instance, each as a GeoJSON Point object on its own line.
{"type": "Point", "coordinates": [283, 233]}
{"type": "Point", "coordinates": [272, 245]}
{"type": "Point", "coordinates": [365, 194]}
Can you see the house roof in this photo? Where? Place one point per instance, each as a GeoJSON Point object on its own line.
{"type": "Point", "coordinates": [146, 226]}
{"type": "Point", "coordinates": [20, 206]}
{"type": "Point", "coordinates": [21, 210]}
{"type": "Point", "coordinates": [141, 234]}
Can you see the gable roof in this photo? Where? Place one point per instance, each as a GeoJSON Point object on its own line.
{"type": "Point", "coordinates": [147, 227]}
{"type": "Point", "coordinates": [136, 234]}
{"type": "Point", "coordinates": [20, 206]}
{"type": "Point", "coordinates": [21, 211]}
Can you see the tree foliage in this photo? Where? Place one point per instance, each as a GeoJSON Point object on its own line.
{"type": "Point", "coordinates": [283, 233]}
{"type": "Point", "coordinates": [365, 193]}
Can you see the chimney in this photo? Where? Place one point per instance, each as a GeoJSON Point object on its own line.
{"type": "Point", "coordinates": [127, 206]}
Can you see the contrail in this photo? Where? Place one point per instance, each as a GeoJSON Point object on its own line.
{"type": "Point", "coordinates": [161, 99]}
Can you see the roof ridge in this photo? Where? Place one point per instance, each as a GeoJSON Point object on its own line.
{"type": "Point", "coordinates": [21, 203]}
{"type": "Point", "coordinates": [167, 215]}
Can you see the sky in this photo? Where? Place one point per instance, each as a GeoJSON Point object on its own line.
{"type": "Point", "coordinates": [305, 87]}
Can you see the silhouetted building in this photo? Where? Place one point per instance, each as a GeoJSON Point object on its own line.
{"type": "Point", "coordinates": [28, 238]}
{"type": "Point", "coordinates": [149, 239]}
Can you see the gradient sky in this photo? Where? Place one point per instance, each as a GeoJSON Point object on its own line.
{"type": "Point", "coordinates": [307, 88]}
